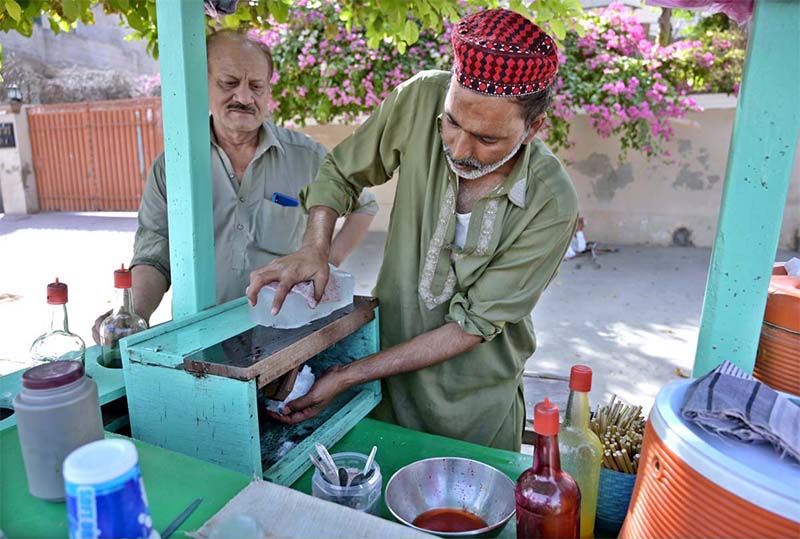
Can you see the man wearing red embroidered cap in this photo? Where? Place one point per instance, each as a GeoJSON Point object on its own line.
{"type": "Point", "coordinates": [483, 214]}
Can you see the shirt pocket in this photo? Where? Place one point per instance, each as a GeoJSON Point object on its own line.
{"type": "Point", "coordinates": [276, 231]}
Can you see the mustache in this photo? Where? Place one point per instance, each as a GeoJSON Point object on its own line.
{"type": "Point", "coordinates": [465, 162]}
{"type": "Point", "coordinates": [241, 107]}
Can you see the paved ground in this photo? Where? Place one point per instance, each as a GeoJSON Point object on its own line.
{"type": "Point", "coordinates": [632, 315]}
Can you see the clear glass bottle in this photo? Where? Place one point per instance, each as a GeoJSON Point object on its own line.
{"type": "Point", "coordinates": [58, 343]}
{"type": "Point", "coordinates": [548, 499]}
{"type": "Point", "coordinates": [580, 448]}
{"type": "Point", "coordinates": [120, 323]}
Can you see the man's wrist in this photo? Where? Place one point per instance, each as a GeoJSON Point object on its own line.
{"type": "Point", "coordinates": [351, 375]}
{"type": "Point", "coordinates": [317, 250]}
{"type": "Point", "coordinates": [319, 232]}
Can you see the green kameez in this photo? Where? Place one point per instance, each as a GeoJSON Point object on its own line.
{"type": "Point", "coordinates": [517, 236]}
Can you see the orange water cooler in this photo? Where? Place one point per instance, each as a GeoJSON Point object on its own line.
{"type": "Point", "coordinates": [778, 360]}
{"type": "Point", "coordinates": [695, 484]}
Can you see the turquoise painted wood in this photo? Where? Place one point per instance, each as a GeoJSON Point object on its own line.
{"type": "Point", "coordinates": [184, 91]}
{"type": "Point", "coordinates": [211, 418]}
{"type": "Point", "coordinates": [765, 134]}
{"type": "Point", "coordinates": [167, 344]}
{"type": "Point", "coordinates": [110, 384]}
{"type": "Point", "coordinates": [291, 467]}
{"type": "Point", "coordinates": [208, 417]}
{"type": "Point", "coordinates": [216, 419]}
{"type": "Point", "coordinates": [362, 343]}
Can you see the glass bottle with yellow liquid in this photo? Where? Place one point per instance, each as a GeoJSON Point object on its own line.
{"type": "Point", "coordinates": [581, 450]}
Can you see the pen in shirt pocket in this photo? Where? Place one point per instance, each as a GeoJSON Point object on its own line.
{"type": "Point", "coordinates": [284, 200]}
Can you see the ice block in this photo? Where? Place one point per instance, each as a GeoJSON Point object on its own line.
{"type": "Point", "coordinates": [300, 307]}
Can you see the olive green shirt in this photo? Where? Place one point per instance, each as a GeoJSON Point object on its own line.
{"type": "Point", "coordinates": [516, 239]}
{"type": "Point", "coordinates": [249, 229]}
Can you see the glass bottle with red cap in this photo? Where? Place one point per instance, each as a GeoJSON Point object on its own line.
{"type": "Point", "coordinates": [548, 499]}
{"type": "Point", "coordinates": [580, 448]}
{"type": "Point", "coordinates": [120, 323]}
{"type": "Point", "coordinates": [58, 343]}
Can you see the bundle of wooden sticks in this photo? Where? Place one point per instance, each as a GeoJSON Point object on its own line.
{"type": "Point", "coordinates": [620, 428]}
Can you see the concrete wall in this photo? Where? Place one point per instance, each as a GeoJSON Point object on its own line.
{"type": "Point", "coordinates": [17, 181]}
{"type": "Point", "coordinates": [647, 202]}
{"type": "Point", "coordinates": [98, 46]}
{"type": "Point", "coordinates": [640, 201]}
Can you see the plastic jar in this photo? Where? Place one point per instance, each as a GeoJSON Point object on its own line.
{"type": "Point", "coordinates": [364, 497]}
{"type": "Point", "coordinates": [57, 411]}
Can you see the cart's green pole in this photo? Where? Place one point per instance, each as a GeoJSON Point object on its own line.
{"type": "Point", "coordinates": [184, 102]}
{"type": "Point", "coordinates": [763, 144]}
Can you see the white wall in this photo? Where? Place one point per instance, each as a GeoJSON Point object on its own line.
{"type": "Point", "coordinates": [17, 181]}
{"type": "Point", "coordinates": [98, 46]}
{"type": "Point", "coordinates": [645, 202]}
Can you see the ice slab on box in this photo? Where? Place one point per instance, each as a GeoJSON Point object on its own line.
{"type": "Point", "coordinates": [300, 307]}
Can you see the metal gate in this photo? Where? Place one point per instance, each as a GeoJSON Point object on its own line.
{"type": "Point", "coordinates": [94, 156]}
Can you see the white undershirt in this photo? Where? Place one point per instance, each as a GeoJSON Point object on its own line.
{"type": "Point", "coordinates": [462, 226]}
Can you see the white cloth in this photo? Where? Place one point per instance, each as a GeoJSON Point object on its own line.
{"type": "Point", "coordinates": [462, 227]}
{"type": "Point", "coordinates": [302, 385]}
{"type": "Point", "coordinates": [576, 246]}
{"type": "Point", "coordinates": [793, 267]}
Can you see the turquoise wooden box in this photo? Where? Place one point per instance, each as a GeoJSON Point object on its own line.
{"type": "Point", "coordinates": [190, 390]}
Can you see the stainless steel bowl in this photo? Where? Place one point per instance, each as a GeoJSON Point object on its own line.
{"type": "Point", "coordinates": [453, 483]}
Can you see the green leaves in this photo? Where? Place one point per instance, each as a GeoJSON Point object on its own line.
{"type": "Point", "coordinates": [558, 28]}
{"type": "Point", "coordinates": [13, 9]}
{"type": "Point", "coordinates": [279, 9]}
{"type": "Point", "coordinates": [411, 32]}
{"type": "Point", "coordinates": [398, 22]}
{"type": "Point", "coordinates": [71, 9]}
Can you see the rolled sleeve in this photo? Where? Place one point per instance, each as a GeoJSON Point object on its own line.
{"type": "Point", "coordinates": [151, 243]}
{"type": "Point", "coordinates": [366, 158]}
{"type": "Point", "coordinates": [530, 263]}
{"type": "Point", "coordinates": [367, 205]}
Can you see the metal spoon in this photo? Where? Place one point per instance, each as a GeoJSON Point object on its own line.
{"type": "Point", "coordinates": [330, 475]}
{"type": "Point", "coordinates": [343, 477]}
{"type": "Point", "coordinates": [370, 459]}
{"type": "Point", "coordinates": [322, 451]}
{"type": "Point", "coordinates": [361, 478]}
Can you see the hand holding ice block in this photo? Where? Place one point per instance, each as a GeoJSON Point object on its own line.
{"type": "Point", "coordinates": [300, 307]}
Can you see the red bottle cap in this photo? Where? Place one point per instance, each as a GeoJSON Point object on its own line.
{"type": "Point", "coordinates": [57, 293]}
{"type": "Point", "coordinates": [580, 378]}
{"type": "Point", "coordinates": [122, 278]}
{"type": "Point", "coordinates": [52, 375]}
{"type": "Point", "coordinates": [545, 418]}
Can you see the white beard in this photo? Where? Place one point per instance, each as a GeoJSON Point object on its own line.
{"type": "Point", "coordinates": [479, 170]}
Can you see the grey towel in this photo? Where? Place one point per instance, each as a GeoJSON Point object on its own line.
{"type": "Point", "coordinates": [729, 402]}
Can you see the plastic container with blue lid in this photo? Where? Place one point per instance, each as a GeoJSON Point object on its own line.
{"type": "Point", "coordinates": [105, 492]}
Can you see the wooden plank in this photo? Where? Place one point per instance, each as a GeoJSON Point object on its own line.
{"type": "Point", "coordinates": [184, 80]}
{"type": "Point", "coordinates": [763, 145]}
{"type": "Point", "coordinates": [267, 353]}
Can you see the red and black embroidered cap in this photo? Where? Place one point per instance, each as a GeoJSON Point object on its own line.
{"type": "Point", "coordinates": [500, 52]}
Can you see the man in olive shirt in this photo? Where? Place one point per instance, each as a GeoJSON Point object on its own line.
{"type": "Point", "coordinates": [251, 159]}
{"type": "Point", "coordinates": [483, 215]}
